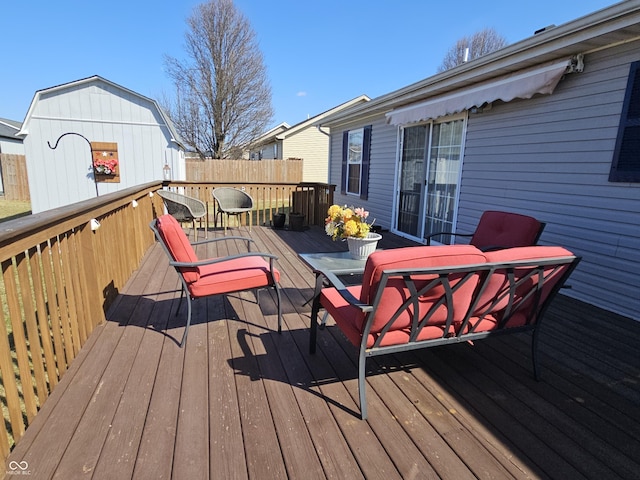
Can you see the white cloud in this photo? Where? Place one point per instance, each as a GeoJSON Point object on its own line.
{"type": "Point", "coordinates": [301, 94]}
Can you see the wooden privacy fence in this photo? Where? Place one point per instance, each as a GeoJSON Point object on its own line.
{"type": "Point", "coordinates": [256, 171]}
{"type": "Point", "coordinates": [14, 177]}
{"type": "Point", "coordinates": [16, 185]}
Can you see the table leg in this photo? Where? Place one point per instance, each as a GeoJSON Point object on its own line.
{"type": "Point", "coordinates": [314, 312]}
{"type": "Point", "coordinates": [323, 322]}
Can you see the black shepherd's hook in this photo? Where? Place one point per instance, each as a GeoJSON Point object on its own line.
{"type": "Point", "coordinates": [85, 138]}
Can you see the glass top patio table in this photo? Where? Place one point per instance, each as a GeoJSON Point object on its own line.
{"type": "Point", "coordinates": [338, 263]}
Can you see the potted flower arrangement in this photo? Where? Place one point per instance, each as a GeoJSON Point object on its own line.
{"type": "Point", "coordinates": [351, 224]}
{"type": "Point", "coordinates": [105, 166]}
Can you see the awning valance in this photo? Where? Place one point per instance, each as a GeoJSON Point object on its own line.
{"type": "Point", "coordinates": [524, 84]}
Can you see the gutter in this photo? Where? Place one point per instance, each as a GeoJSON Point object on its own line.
{"type": "Point", "coordinates": [550, 44]}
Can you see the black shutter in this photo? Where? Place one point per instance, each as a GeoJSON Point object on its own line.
{"type": "Point", "coordinates": [345, 156]}
{"type": "Point", "coordinates": [366, 156]}
{"type": "Point", "coordinates": [626, 156]}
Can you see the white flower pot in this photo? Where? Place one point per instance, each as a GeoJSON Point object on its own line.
{"type": "Point", "coordinates": [361, 248]}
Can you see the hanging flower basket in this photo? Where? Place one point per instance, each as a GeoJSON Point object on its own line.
{"type": "Point", "coordinates": [361, 248]}
{"type": "Point", "coordinates": [105, 166]}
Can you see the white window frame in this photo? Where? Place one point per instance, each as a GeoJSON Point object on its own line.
{"type": "Point", "coordinates": [354, 158]}
{"type": "Point", "coordinates": [399, 146]}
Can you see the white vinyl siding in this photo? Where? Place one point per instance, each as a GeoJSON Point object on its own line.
{"type": "Point", "coordinates": [550, 157]}
{"type": "Point", "coordinates": [100, 112]}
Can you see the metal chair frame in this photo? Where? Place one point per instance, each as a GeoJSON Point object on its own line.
{"type": "Point", "coordinates": [184, 208]}
{"type": "Point", "coordinates": [232, 201]}
{"type": "Point", "coordinates": [486, 248]}
{"type": "Point", "coordinates": [185, 286]}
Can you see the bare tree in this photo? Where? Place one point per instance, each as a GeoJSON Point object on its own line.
{"type": "Point", "coordinates": [223, 96]}
{"type": "Point", "coordinates": [480, 43]}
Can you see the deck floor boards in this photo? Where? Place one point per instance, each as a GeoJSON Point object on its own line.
{"type": "Point", "coordinates": [242, 401]}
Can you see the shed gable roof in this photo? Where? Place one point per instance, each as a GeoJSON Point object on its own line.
{"type": "Point", "coordinates": [96, 79]}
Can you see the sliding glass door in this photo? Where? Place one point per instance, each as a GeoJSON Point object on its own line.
{"type": "Point", "coordinates": [411, 180]}
{"type": "Point", "coordinates": [429, 177]}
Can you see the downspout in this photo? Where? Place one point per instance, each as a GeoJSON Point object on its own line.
{"type": "Point", "coordinates": [319, 127]}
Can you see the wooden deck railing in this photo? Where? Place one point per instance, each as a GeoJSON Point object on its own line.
{"type": "Point", "coordinates": [311, 199]}
{"type": "Point", "coordinates": [59, 277]}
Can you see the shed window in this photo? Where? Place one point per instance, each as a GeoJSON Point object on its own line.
{"type": "Point", "coordinates": [626, 156]}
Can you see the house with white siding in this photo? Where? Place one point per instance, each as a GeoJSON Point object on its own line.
{"type": "Point", "coordinates": [548, 127]}
{"type": "Point", "coordinates": [71, 128]}
{"type": "Point", "coordinates": [305, 140]}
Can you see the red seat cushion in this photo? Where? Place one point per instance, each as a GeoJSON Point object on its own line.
{"type": "Point", "coordinates": [351, 319]}
{"type": "Point", "coordinates": [504, 229]}
{"type": "Point", "coordinates": [234, 275]}
{"type": "Point", "coordinates": [178, 244]}
{"type": "Point", "coordinates": [498, 285]}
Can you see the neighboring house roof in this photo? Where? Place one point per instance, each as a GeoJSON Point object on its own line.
{"type": "Point", "coordinates": [617, 24]}
{"type": "Point", "coordinates": [96, 78]}
{"type": "Point", "coordinates": [282, 131]}
{"type": "Point", "coordinates": [274, 132]}
{"type": "Point", "coordinates": [9, 128]}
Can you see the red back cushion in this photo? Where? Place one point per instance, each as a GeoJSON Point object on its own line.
{"type": "Point", "coordinates": [178, 245]}
{"type": "Point", "coordinates": [498, 283]}
{"type": "Point", "coordinates": [503, 229]}
{"type": "Point", "coordinates": [396, 291]}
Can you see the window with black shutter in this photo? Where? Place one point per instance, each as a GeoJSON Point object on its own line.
{"type": "Point", "coordinates": [356, 145]}
{"type": "Point", "coordinates": [626, 156]}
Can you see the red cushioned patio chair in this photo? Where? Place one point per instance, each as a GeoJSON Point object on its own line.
{"type": "Point", "coordinates": [497, 230]}
{"type": "Point", "coordinates": [214, 276]}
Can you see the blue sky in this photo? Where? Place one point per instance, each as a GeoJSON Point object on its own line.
{"type": "Point", "coordinates": [318, 54]}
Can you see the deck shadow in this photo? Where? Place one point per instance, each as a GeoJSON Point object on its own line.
{"type": "Point", "coordinates": [168, 315]}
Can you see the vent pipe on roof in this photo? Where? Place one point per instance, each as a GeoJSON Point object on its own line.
{"type": "Point", "coordinates": [544, 29]}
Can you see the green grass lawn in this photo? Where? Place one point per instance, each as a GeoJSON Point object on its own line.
{"type": "Point", "coordinates": [10, 209]}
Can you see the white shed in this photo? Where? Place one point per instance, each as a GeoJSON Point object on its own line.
{"type": "Point", "coordinates": [69, 126]}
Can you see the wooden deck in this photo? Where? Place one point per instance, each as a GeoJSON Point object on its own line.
{"type": "Point", "coordinates": [242, 401]}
